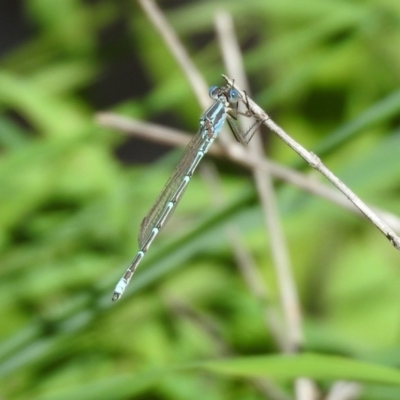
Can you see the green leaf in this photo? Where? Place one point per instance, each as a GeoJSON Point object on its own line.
{"type": "Point", "coordinates": [313, 366]}
{"type": "Point", "coordinates": [50, 114]}
{"type": "Point", "coordinates": [378, 112]}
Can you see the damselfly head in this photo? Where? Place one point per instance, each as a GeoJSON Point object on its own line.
{"type": "Point", "coordinates": [231, 94]}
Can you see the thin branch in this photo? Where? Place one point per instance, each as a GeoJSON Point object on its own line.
{"type": "Point", "coordinates": [343, 390]}
{"type": "Point", "coordinates": [172, 41]}
{"type": "Point", "coordinates": [264, 185]}
{"type": "Point", "coordinates": [148, 131]}
{"type": "Point", "coordinates": [236, 154]}
{"type": "Point", "coordinates": [314, 161]}
{"type": "Point", "coordinates": [305, 388]}
{"type": "Point", "coordinates": [189, 69]}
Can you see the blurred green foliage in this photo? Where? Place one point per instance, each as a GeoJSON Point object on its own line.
{"type": "Point", "coordinates": [328, 72]}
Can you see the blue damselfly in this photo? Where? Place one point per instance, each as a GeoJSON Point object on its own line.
{"type": "Point", "coordinates": [224, 108]}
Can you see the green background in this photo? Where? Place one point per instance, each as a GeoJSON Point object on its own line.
{"type": "Point", "coordinates": [70, 206]}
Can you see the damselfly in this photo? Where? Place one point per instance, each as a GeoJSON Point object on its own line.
{"type": "Point", "coordinates": [225, 108]}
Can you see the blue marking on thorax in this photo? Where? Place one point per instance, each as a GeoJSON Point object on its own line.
{"type": "Point", "coordinates": [216, 115]}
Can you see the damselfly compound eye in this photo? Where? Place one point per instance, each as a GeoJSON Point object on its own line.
{"type": "Point", "coordinates": [233, 96]}
{"type": "Point", "coordinates": [214, 92]}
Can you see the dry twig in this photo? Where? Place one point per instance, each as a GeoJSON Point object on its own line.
{"type": "Point", "coordinates": [313, 160]}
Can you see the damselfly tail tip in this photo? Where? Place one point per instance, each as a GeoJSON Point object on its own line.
{"type": "Point", "coordinates": [119, 289]}
{"type": "Point", "coordinates": [116, 296]}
